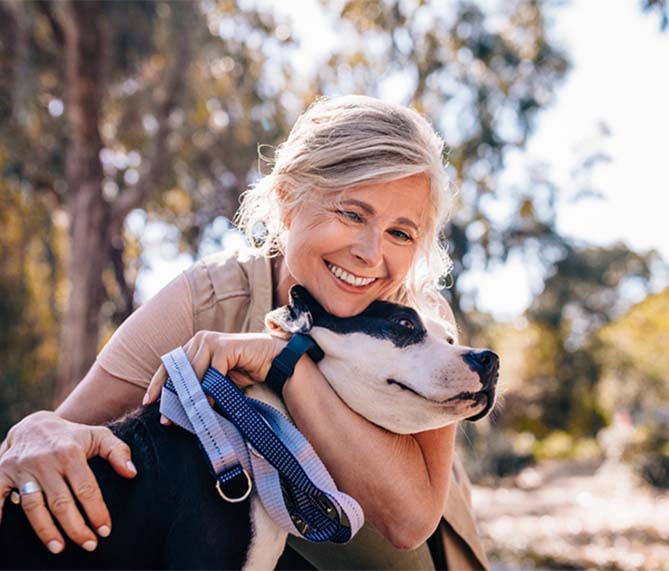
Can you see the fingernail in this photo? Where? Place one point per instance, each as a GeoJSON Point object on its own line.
{"type": "Point", "coordinates": [145, 400]}
{"type": "Point", "coordinates": [164, 421]}
{"type": "Point", "coordinates": [90, 545]}
{"type": "Point", "coordinates": [105, 530]}
{"type": "Point", "coordinates": [130, 467]}
{"type": "Point", "coordinates": [55, 546]}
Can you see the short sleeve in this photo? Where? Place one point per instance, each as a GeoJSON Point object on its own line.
{"type": "Point", "coordinates": [158, 326]}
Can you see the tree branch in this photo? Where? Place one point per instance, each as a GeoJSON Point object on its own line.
{"type": "Point", "coordinates": [174, 86]}
{"type": "Point", "coordinates": [46, 9]}
{"type": "Point", "coordinates": [127, 290]}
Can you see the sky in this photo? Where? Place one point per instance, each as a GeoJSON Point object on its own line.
{"type": "Point", "coordinates": [618, 83]}
{"type": "Point", "coordinates": [619, 78]}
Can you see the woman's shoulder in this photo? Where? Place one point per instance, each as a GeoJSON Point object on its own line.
{"type": "Point", "coordinates": [229, 287]}
{"type": "Point", "coordinates": [228, 273]}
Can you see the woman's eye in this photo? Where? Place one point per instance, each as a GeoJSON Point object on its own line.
{"type": "Point", "coordinates": [400, 235]}
{"type": "Point", "coordinates": [350, 215]}
{"type": "Point", "coordinates": [407, 323]}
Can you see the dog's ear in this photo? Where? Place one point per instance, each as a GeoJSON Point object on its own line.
{"type": "Point", "coordinates": [295, 317]}
{"type": "Point", "coordinates": [302, 299]}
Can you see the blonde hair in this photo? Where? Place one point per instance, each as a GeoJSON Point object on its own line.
{"type": "Point", "coordinates": [347, 141]}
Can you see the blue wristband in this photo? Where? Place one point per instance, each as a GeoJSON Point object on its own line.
{"type": "Point", "coordinates": [284, 363]}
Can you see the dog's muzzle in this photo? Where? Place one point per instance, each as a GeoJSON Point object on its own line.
{"type": "Point", "coordinates": [486, 364]}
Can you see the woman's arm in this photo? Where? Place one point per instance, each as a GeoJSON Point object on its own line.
{"type": "Point", "coordinates": [401, 481]}
{"type": "Point", "coordinates": [84, 404]}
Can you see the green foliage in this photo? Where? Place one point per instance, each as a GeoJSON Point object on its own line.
{"type": "Point", "coordinates": [633, 356]}
{"type": "Point", "coordinates": [561, 445]}
{"type": "Point", "coordinates": [648, 451]}
{"type": "Point", "coordinates": [31, 281]}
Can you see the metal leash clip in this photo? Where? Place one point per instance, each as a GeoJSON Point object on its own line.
{"type": "Point", "coordinates": [229, 498]}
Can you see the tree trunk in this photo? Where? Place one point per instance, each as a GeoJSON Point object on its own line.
{"type": "Point", "coordinates": [87, 210]}
{"type": "Point", "coordinates": [93, 221]}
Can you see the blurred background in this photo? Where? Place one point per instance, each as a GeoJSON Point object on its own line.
{"type": "Point", "coordinates": [128, 131]}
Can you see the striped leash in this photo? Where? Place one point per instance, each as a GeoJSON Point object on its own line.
{"type": "Point", "coordinates": [247, 441]}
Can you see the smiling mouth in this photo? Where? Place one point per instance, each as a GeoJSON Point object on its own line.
{"type": "Point", "coordinates": [348, 278]}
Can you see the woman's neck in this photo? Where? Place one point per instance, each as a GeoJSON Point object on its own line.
{"type": "Point", "coordinates": [282, 281]}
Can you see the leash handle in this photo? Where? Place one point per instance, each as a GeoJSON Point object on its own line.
{"type": "Point", "coordinates": [316, 509]}
{"type": "Point", "coordinates": [258, 440]}
{"type": "Point", "coordinates": [221, 443]}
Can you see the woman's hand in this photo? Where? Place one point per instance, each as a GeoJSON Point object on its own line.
{"type": "Point", "coordinates": [53, 452]}
{"type": "Point", "coordinates": [244, 357]}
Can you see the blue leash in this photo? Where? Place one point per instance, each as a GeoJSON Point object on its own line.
{"type": "Point", "coordinates": [250, 440]}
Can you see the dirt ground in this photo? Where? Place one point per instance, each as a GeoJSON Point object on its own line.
{"type": "Point", "coordinates": [575, 515]}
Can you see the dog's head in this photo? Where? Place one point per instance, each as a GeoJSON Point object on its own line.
{"type": "Point", "coordinates": [396, 369]}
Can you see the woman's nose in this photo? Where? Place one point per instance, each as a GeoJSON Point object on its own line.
{"type": "Point", "coordinates": [367, 249]}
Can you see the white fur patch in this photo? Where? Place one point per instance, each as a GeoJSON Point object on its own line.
{"type": "Point", "coordinates": [267, 540]}
{"type": "Point", "coordinates": [359, 367]}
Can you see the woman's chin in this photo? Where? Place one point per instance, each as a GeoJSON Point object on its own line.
{"type": "Point", "coordinates": [343, 312]}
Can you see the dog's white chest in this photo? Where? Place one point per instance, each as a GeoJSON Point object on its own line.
{"type": "Point", "coordinates": [268, 539]}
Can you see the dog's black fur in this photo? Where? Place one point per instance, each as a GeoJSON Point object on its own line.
{"type": "Point", "coordinates": [168, 517]}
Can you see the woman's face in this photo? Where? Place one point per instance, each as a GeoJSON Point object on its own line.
{"type": "Point", "coordinates": [360, 250]}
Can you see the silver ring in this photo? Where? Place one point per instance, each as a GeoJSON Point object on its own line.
{"type": "Point", "coordinates": [29, 488]}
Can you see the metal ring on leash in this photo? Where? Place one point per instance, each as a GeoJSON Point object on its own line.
{"type": "Point", "coordinates": [246, 494]}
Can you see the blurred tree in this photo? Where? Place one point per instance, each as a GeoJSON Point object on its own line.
{"type": "Point", "coordinates": [32, 279]}
{"type": "Point", "coordinates": [585, 292]}
{"type": "Point", "coordinates": [631, 351]}
{"type": "Point", "coordinates": [106, 111]}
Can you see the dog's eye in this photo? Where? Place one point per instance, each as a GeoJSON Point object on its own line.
{"type": "Point", "coordinates": [407, 323]}
{"type": "Point", "coordinates": [451, 340]}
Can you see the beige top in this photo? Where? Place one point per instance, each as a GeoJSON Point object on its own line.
{"type": "Point", "coordinates": [231, 291]}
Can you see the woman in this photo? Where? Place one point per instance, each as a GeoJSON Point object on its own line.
{"type": "Point", "coordinates": [351, 210]}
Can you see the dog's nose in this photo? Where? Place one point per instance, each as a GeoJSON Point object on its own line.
{"type": "Point", "coordinates": [485, 363]}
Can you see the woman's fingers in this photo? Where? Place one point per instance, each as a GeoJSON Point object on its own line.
{"type": "Point", "coordinates": [6, 486]}
{"type": "Point", "coordinates": [110, 447]}
{"type": "Point", "coordinates": [87, 492]}
{"type": "Point", "coordinates": [155, 386]}
{"type": "Point", "coordinates": [223, 351]}
{"type": "Point", "coordinates": [62, 506]}
{"type": "Point", "coordinates": [40, 519]}
{"type": "Point", "coordinates": [199, 355]}
{"type": "Point", "coordinates": [53, 452]}
{"type": "Point", "coordinates": [60, 498]}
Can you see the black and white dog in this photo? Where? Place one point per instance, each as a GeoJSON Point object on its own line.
{"type": "Point", "coordinates": [399, 371]}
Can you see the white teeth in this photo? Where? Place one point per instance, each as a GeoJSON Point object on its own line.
{"type": "Point", "coordinates": [348, 278]}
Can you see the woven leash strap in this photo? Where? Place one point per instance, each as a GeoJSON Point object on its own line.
{"type": "Point", "coordinates": [253, 438]}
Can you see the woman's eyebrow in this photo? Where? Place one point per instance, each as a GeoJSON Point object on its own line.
{"type": "Point", "coordinates": [369, 209]}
